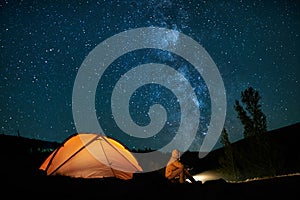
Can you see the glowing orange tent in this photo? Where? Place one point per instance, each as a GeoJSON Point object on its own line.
{"type": "Point", "coordinates": [87, 155]}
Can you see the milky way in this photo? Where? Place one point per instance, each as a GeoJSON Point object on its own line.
{"type": "Point", "coordinates": [43, 44]}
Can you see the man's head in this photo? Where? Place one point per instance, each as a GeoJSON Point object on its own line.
{"type": "Point", "coordinates": [175, 154]}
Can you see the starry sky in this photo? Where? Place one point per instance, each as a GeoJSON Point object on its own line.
{"type": "Point", "coordinates": [44, 43]}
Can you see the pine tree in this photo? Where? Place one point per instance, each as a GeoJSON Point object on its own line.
{"type": "Point", "coordinates": [225, 138]}
{"type": "Point", "coordinates": [251, 115]}
{"type": "Point", "coordinates": [227, 161]}
{"type": "Point", "coordinates": [258, 153]}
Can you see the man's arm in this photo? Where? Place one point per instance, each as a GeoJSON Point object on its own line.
{"type": "Point", "coordinates": [178, 164]}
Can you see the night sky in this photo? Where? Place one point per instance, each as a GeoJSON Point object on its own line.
{"type": "Point", "coordinates": [44, 43]}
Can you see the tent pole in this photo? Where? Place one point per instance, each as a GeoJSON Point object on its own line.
{"type": "Point", "coordinates": [112, 170]}
{"type": "Point", "coordinates": [95, 138]}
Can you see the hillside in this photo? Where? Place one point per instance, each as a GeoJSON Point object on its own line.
{"type": "Point", "coordinates": [30, 153]}
{"type": "Point", "coordinates": [283, 144]}
{"type": "Point", "coordinates": [21, 158]}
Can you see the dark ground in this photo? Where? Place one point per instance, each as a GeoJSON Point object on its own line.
{"type": "Point", "coordinates": [16, 184]}
{"type": "Point", "coordinates": [20, 178]}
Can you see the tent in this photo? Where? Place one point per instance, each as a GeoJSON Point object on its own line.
{"type": "Point", "coordinates": [89, 155]}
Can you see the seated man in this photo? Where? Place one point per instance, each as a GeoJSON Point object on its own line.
{"type": "Point", "coordinates": [175, 169]}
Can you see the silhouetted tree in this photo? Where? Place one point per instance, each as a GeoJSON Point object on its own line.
{"type": "Point", "coordinates": [225, 139]}
{"type": "Point", "coordinates": [251, 115]}
{"type": "Point", "coordinates": [259, 153]}
{"type": "Point", "coordinates": [227, 161]}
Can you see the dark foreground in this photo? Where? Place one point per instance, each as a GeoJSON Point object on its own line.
{"type": "Point", "coordinates": [21, 179]}
{"type": "Point", "coordinates": [143, 186]}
